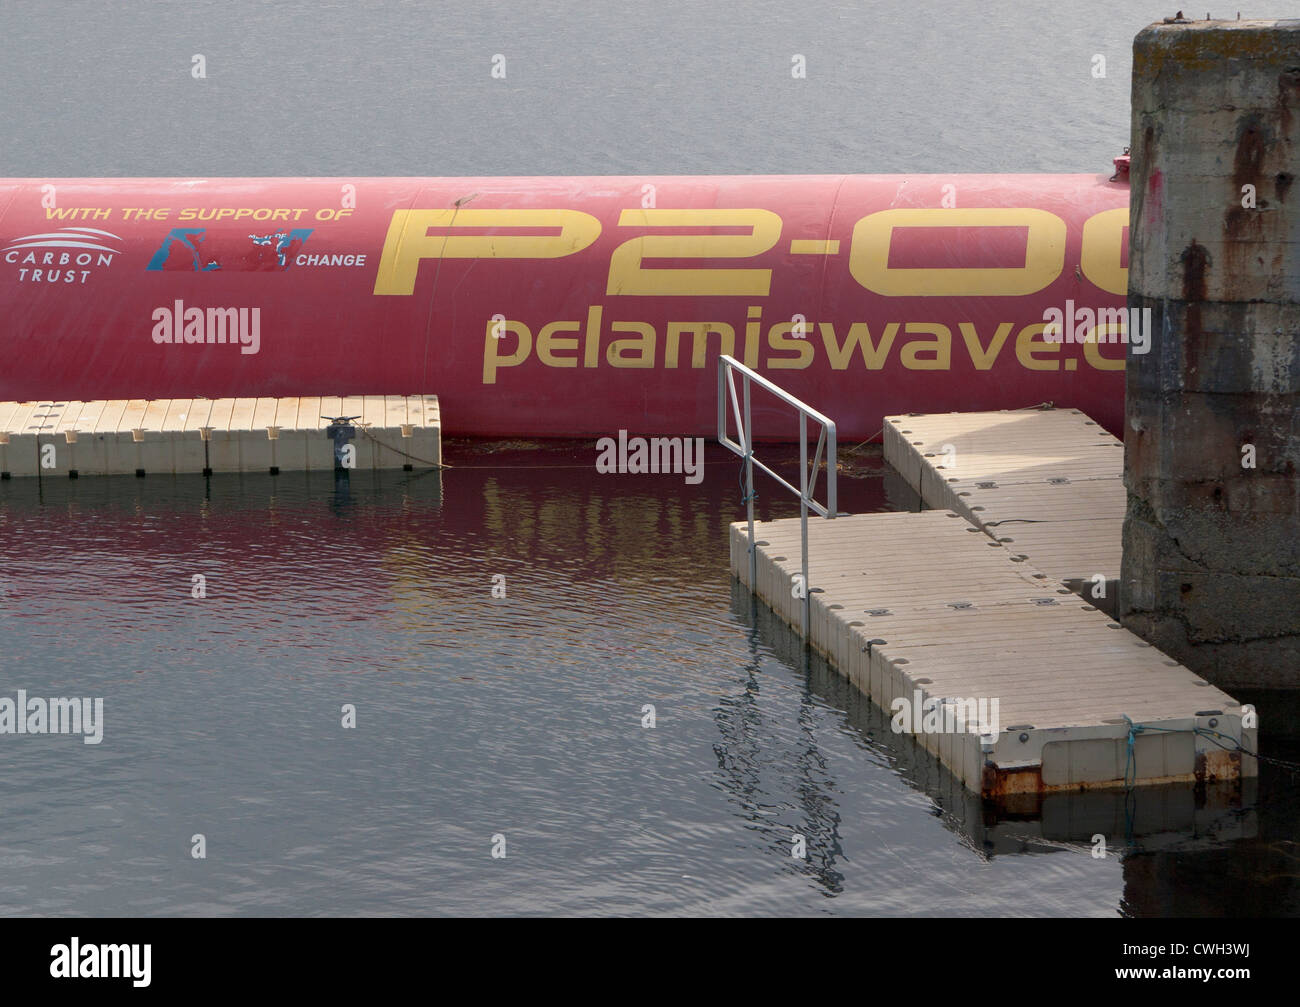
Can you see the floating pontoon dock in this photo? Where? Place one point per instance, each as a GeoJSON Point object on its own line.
{"type": "Point", "coordinates": [174, 436]}
{"type": "Point", "coordinates": [1049, 483]}
{"type": "Point", "coordinates": [941, 612]}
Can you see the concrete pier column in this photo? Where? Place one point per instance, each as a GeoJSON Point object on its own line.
{"type": "Point", "coordinates": [1211, 568]}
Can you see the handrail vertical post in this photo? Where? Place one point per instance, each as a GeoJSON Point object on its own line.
{"type": "Point", "coordinates": [747, 439]}
{"type": "Point", "coordinates": [830, 473]}
{"type": "Point", "coordinates": [722, 405]}
{"type": "Point", "coordinates": [803, 520]}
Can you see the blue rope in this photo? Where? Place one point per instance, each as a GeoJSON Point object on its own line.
{"type": "Point", "coordinates": [740, 478]}
{"type": "Point", "coordinates": [1131, 763]}
{"type": "Point", "coordinates": [1201, 732]}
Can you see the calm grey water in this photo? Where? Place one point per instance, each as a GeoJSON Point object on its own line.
{"type": "Point", "coordinates": [670, 87]}
{"type": "Point", "coordinates": [522, 717]}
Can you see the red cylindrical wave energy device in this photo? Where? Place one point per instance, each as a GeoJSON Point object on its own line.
{"type": "Point", "coordinates": [572, 306]}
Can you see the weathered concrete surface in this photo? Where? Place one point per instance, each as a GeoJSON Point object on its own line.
{"type": "Point", "coordinates": [1211, 566]}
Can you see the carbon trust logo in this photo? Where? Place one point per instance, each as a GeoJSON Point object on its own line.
{"type": "Point", "coordinates": [66, 255]}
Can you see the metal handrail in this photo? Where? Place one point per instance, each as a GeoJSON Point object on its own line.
{"type": "Point", "coordinates": [727, 369]}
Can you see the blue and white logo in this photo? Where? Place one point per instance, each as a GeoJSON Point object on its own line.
{"type": "Point", "coordinates": [67, 255]}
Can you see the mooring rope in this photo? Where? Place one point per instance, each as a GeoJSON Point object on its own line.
{"type": "Point", "coordinates": [1205, 732]}
{"type": "Point", "coordinates": [422, 461]}
{"type": "Point", "coordinates": [740, 478]}
{"type": "Point", "coordinates": [849, 451]}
